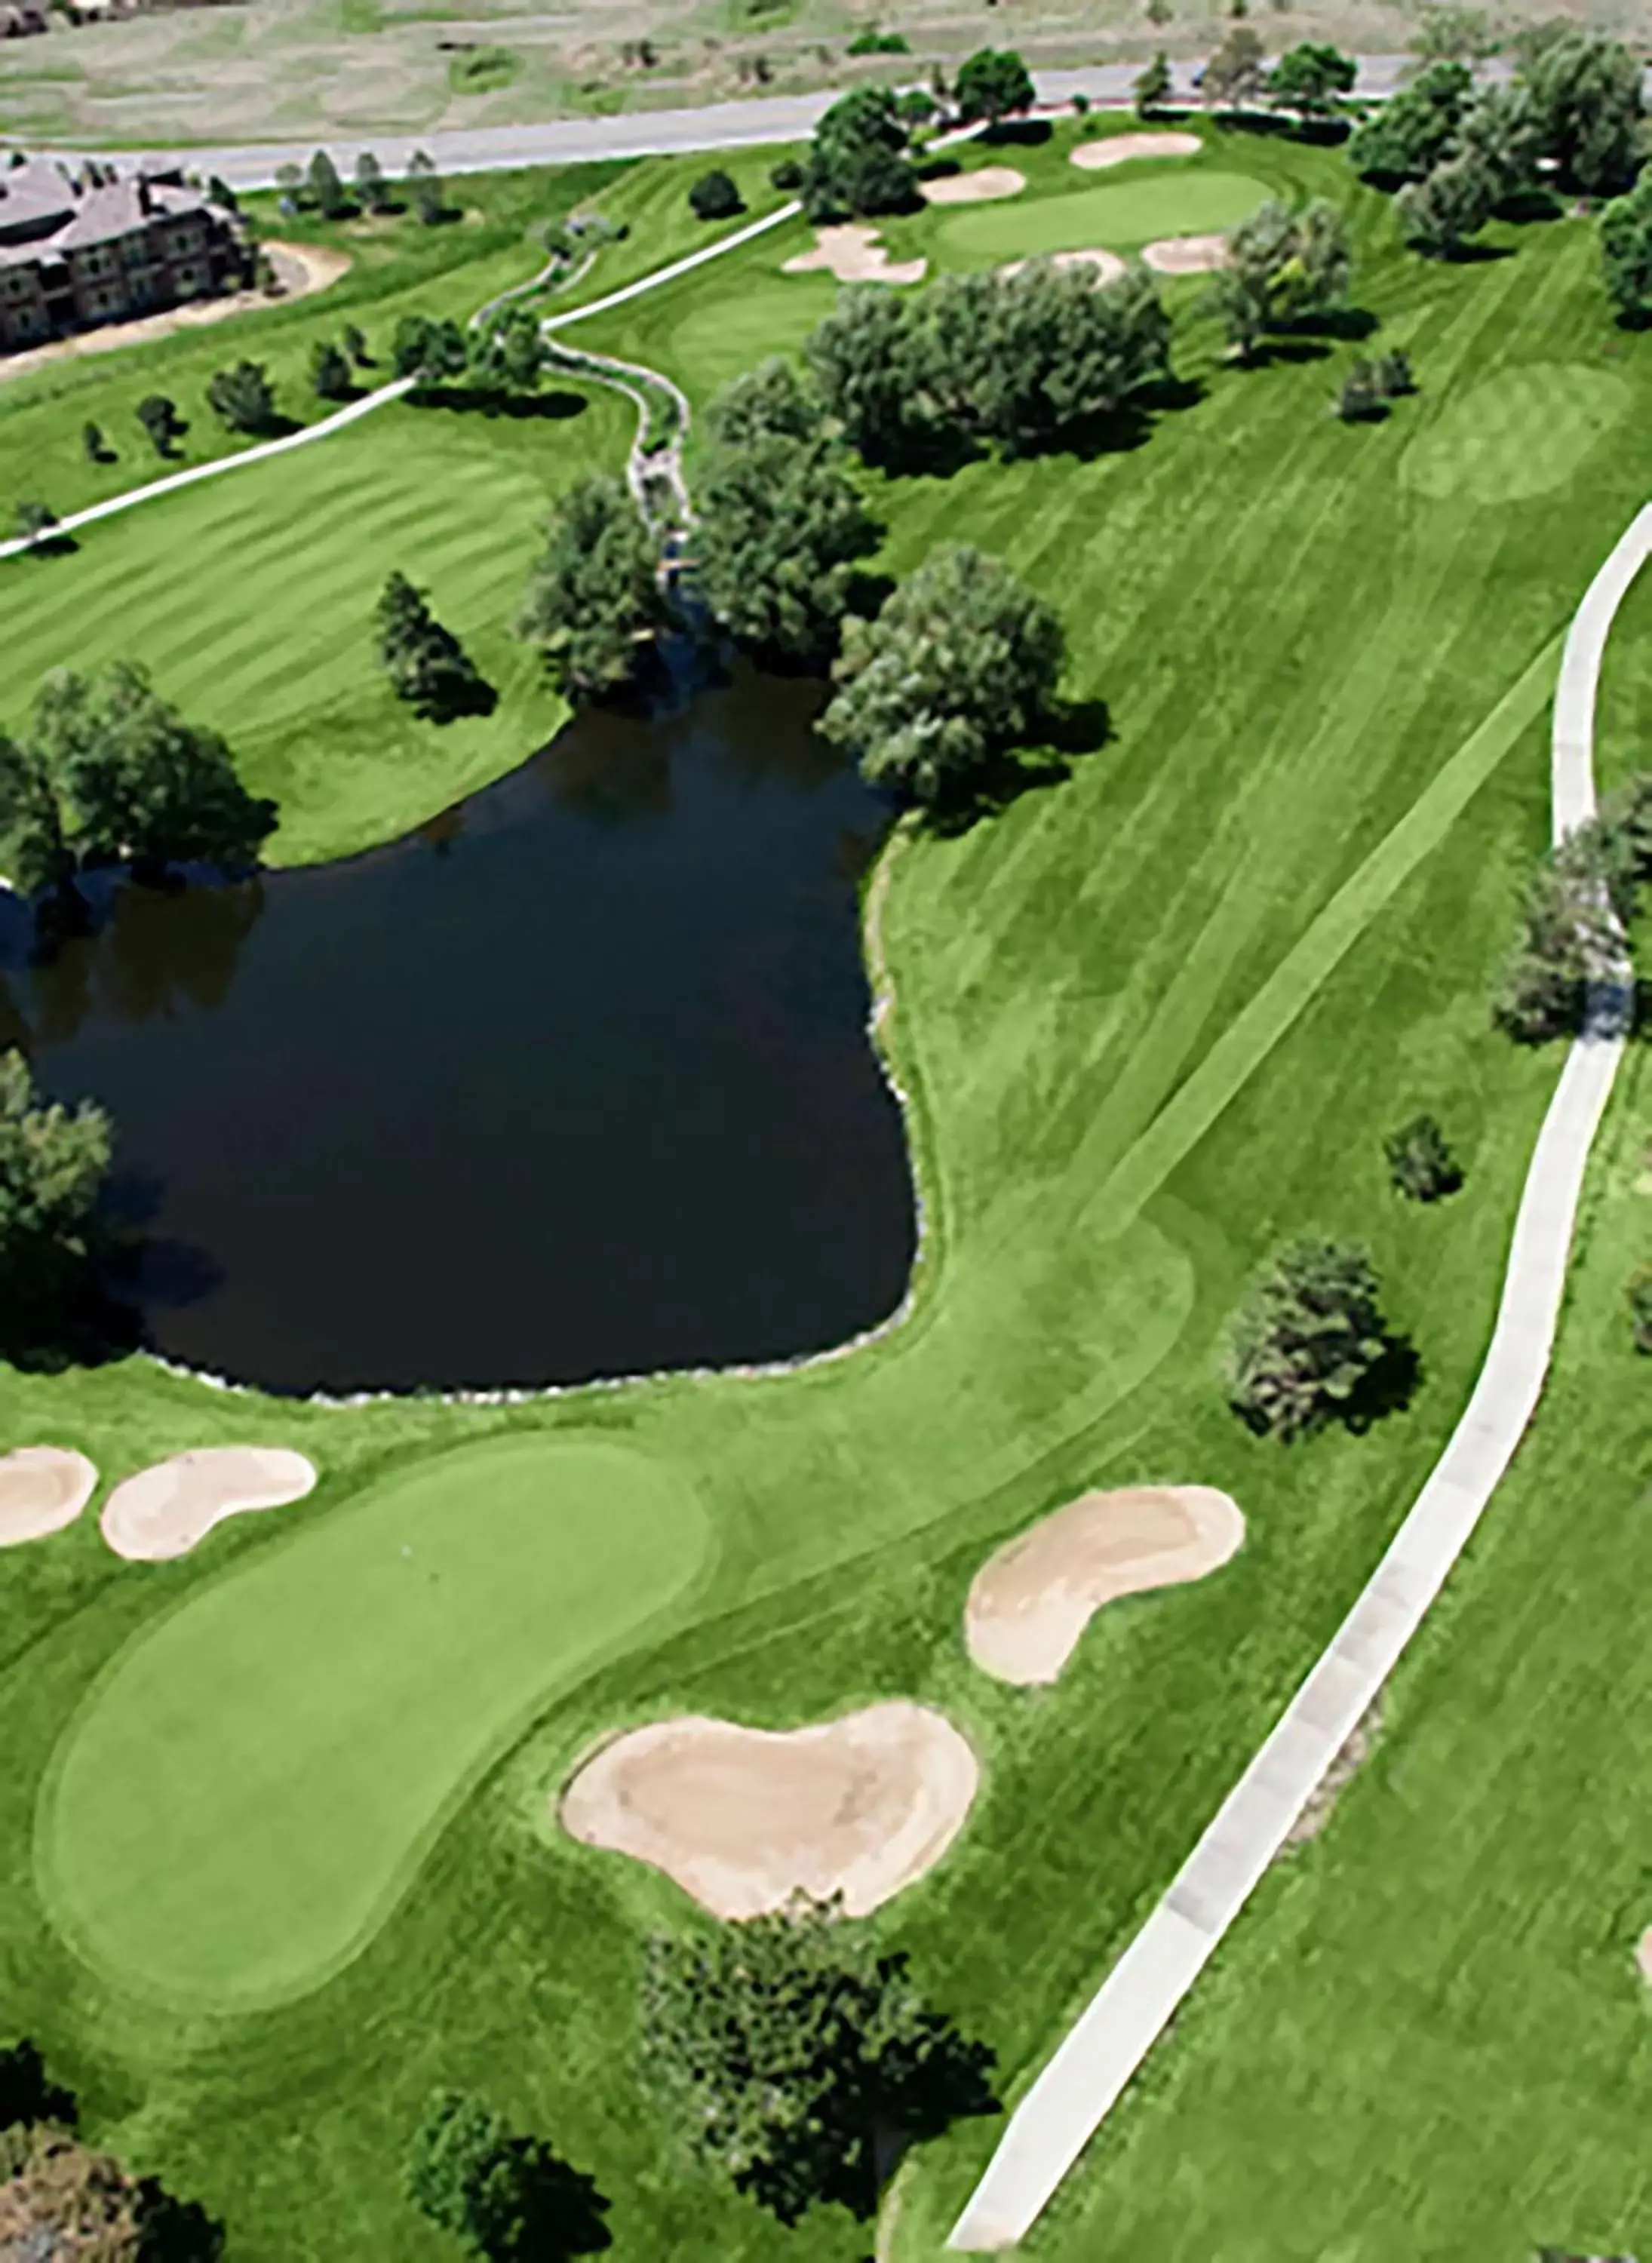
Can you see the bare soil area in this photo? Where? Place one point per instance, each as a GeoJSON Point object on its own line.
{"type": "Point", "coordinates": [300, 269]}
{"type": "Point", "coordinates": [854, 254]}
{"type": "Point", "coordinates": [166, 1510]}
{"type": "Point", "coordinates": [1186, 254]}
{"type": "Point", "coordinates": [1031, 1602]}
{"type": "Point", "coordinates": [987, 186]}
{"type": "Point", "coordinates": [743, 1818]}
{"type": "Point", "coordinates": [1124, 148]}
{"type": "Point", "coordinates": [42, 1489]}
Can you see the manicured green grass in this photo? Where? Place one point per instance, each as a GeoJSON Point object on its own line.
{"type": "Point", "coordinates": [1522, 433]}
{"type": "Point", "coordinates": [1153, 1020]}
{"type": "Point", "coordinates": [1188, 201]}
{"type": "Point", "coordinates": [250, 599]}
{"type": "Point", "coordinates": [256, 1775]}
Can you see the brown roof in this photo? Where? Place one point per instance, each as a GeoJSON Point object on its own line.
{"type": "Point", "coordinates": [44, 215]}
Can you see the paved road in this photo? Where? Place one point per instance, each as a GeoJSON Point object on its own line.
{"type": "Point", "coordinates": [653, 133]}
{"type": "Point", "coordinates": [1068, 2103]}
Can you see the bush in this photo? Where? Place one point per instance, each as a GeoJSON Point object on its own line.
{"type": "Point", "coordinates": [1421, 1165]}
{"type": "Point", "coordinates": [329, 371]}
{"type": "Point", "coordinates": [1307, 1342]}
{"type": "Point", "coordinates": [879, 43]}
{"type": "Point", "coordinates": [1359, 397]}
{"type": "Point", "coordinates": [1640, 1308]}
{"type": "Point", "coordinates": [714, 197]}
{"type": "Point", "coordinates": [788, 177]}
{"type": "Point", "coordinates": [1394, 375]}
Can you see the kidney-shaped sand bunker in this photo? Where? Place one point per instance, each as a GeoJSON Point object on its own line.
{"type": "Point", "coordinates": [42, 1489]}
{"type": "Point", "coordinates": [169, 1508]}
{"type": "Point", "coordinates": [1031, 1602]}
{"type": "Point", "coordinates": [250, 1785]}
{"type": "Point", "coordinates": [742, 1819]}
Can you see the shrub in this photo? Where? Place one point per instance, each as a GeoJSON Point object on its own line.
{"type": "Point", "coordinates": [787, 176]}
{"type": "Point", "coordinates": [1421, 1165]}
{"type": "Point", "coordinates": [879, 43]}
{"type": "Point", "coordinates": [1307, 1342]}
{"type": "Point", "coordinates": [1394, 375]}
{"type": "Point", "coordinates": [714, 197]}
{"type": "Point", "coordinates": [1640, 1308]}
{"type": "Point", "coordinates": [1359, 397]}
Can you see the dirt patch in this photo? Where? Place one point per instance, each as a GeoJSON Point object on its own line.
{"type": "Point", "coordinates": [984, 187]}
{"type": "Point", "coordinates": [167, 1510]}
{"type": "Point", "coordinates": [1106, 266]}
{"type": "Point", "coordinates": [1031, 1602]}
{"type": "Point", "coordinates": [1122, 148]}
{"type": "Point", "coordinates": [854, 254]}
{"type": "Point", "coordinates": [42, 1488]}
{"type": "Point", "coordinates": [1352, 1756]}
{"type": "Point", "coordinates": [741, 1819]}
{"type": "Point", "coordinates": [1187, 254]}
{"type": "Point", "coordinates": [300, 269]}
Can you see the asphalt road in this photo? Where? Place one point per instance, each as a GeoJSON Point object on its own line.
{"type": "Point", "coordinates": [651, 132]}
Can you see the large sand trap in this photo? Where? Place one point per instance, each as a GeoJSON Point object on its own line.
{"type": "Point", "coordinates": [167, 1510]}
{"type": "Point", "coordinates": [984, 187]}
{"type": "Point", "coordinates": [1106, 266]}
{"type": "Point", "coordinates": [42, 1488]}
{"type": "Point", "coordinates": [741, 1819]}
{"type": "Point", "coordinates": [1120, 149]}
{"type": "Point", "coordinates": [1031, 1602]}
{"type": "Point", "coordinates": [1187, 254]}
{"type": "Point", "coordinates": [854, 254]}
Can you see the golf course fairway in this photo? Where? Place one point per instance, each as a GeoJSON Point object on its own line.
{"type": "Point", "coordinates": [254, 1780]}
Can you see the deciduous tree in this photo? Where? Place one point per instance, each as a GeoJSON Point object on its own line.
{"type": "Point", "coordinates": [1282, 268]}
{"type": "Point", "coordinates": [1236, 74]}
{"type": "Point", "coordinates": [1152, 86]}
{"type": "Point", "coordinates": [593, 603]}
{"type": "Point", "coordinates": [1439, 215]}
{"type": "Point", "coordinates": [430, 352]}
{"type": "Point", "coordinates": [426, 664]}
{"type": "Point", "coordinates": [1305, 1341]}
{"type": "Point", "coordinates": [798, 2061]}
{"type": "Point", "coordinates": [1626, 251]}
{"type": "Point", "coordinates": [1309, 78]}
{"type": "Point", "coordinates": [53, 1163]}
{"type": "Point", "coordinates": [508, 354]}
{"type": "Point", "coordinates": [509, 2198]}
{"type": "Point", "coordinates": [858, 162]}
{"type": "Point", "coordinates": [1421, 1164]}
{"type": "Point", "coordinates": [329, 371]}
{"type": "Point", "coordinates": [1415, 129]}
{"type": "Point", "coordinates": [992, 85]}
{"type": "Point", "coordinates": [714, 197]}
{"type": "Point", "coordinates": [960, 666]}
{"type": "Point", "coordinates": [244, 397]}
{"type": "Point", "coordinates": [1584, 93]}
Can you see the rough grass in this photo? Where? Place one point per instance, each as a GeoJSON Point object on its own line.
{"type": "Point", "coordinates": [1153, 1020]}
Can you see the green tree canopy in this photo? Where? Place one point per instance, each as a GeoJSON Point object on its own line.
{"type": "Point", "coordinates": [1421, 1164]}
{"type": "Point", "coordinates": [1626, 251]}
{"type": "Point", "coordinates": [779, 523]}
{"type": "Point", "coordinates": [331, 377]}
{"type": "Point", "coordinates": [960, 666]}
{"type": "Point", "coordinates": [1282, 268]}
{"type": "Point", "coordinates": [160, 419]}
{"type": "Point", "coordinates": [53, 1164]}
{"type": "Point", "coordinates": [243, 396]}
{"type": "Point", "coordinates": [1455, 35]}
{"type": "Point", "coordinates": [432, 352]}
{"type": "Point", "coordinates": [858, 162]}
{"type": "Point", "coordinates": [1415, 129]}
{"type": "Point", "coordinates": [508, 2198]}
{"type": "Point", "coordinates": [1309, 78]}
{"type": "Point", "coordinates": [326, 188]}
{"type": "Point", "coordinates": [1304, 1344]}
{"type": "Point", "coordinates": [1237, 73]}
{"type": "Point", "coordinates": [793, 2059]}
{"type": "Point", "coordinates": [865, 358]}
{"type": "Point", "coordinates": [1583, 95]}
{"type": "Point", "coordinates": [593, 603]}
{"type": "Point", "coordinates": [426, 664]}
{"type": "Point", "coordinates": [508, 354]}
{"type": "Point", "coordinates": [1153, 85]}
{"type": "Point", "coordinates": [1439, 215]}
{"type": "Point", "coordinates": [993, 83]}
{"type": "Point", "coordinates": [371, 185]}
{"type": "Point", "coordinates": [714, 196]}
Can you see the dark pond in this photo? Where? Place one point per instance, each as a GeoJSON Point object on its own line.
{"type": "Point", "coordinates": [574, 1082]}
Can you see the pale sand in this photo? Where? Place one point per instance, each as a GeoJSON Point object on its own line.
{"type": "Point", "coordinates": [1093, 156]}
{"type": "Point", "coordinates": [1643, 1955]}
{"type": "Point", "coordinates": [166, 1510]}
{"type": "Point", "coordinates": [42, 1488]}
{"type": "Point", "coordinates": [742, 1819]}
{"type": "Point", "coordinates": [984, 187]}
{"type": "Point", "coordinates": [854, 254]}
{"type": "Point", "coordinates": [1031, 1602]}
{"type": "Point", "coordinates": [1187, 254]}
{"type": "Point", "coordinates": [1106, 265]}
{"type": "Point", "coordinates": [300, 268]}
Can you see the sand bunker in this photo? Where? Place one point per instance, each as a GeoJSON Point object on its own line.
{"type": "Point", "coordinates": [854, 254]}
{"type": "Point", "coordinates": [168, 1509]}
{"type": "Point", "coordinates": [984, 187]}
{"type": "Point", "coordinates": [1031, 1602]}
{"type": "Point", "coordinates": [1106, 265]}
{"type": "Point", "coordinates": [1187, 254]}
{"type": "Point", "coordinates": [1120, 149]}
{"type": "Point", "coordinates": [1643, 1956]}
{"type": "Point", "coordinates": [741, 1819]}
{"type": "Point", "coordinates": [42, 1488]}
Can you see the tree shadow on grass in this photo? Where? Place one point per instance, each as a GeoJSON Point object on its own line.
{"type": "Point", "coordinates": [27, 2092]}
{"type": "Point", "coordinates": [1073, 728]}
{"type": "Point", "coordinates": [555, 406]}
{"type": "Point", "coordinates": [1120, 431]}
{"type": "Point", "coordinates": [1018, 134]}
{"type": "Point", "coordinates": [1350, 323]}
{"type": "Point", "coordinates": [51, 546]}
{"type": "Point", "coordinates": [1386, 1388]}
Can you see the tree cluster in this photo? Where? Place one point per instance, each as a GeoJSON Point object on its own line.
{"type": "Point", "coordinates": [1626, 251]}
{"type": "Point", "coordinates": [243, 396]}
{"type": "Point", "coordinates": [794, 2059]}
{"type": "Point", "coordinates": [593, 605]}
{"type": "Point", "coordinates": [506, 355]}
{"type": "Point", "coordinates": [860, 161]}
{"type": "Point", "coordinates": [107, 771]}
{"type": "Point", "coordinates": [426, 664]}
{"type": "Point", "coordinates": [1022, 360]}
{"type": "Point", "coordinates": [959, 667]}
{"type": "Point", "coordinates": [508, 2198]}
{"type": "Point", "coordinates": [53, 1164]}
{"type": "Point", "coordinates": [1577, 905]}
{"type": "Point", "coordinates": [1305, 1344]}
{"type": "Point", "coordinates": [1283, 269]}
{"type": "Point", "coordinates": [780, 524]}
{"type": "Point", "coordinates": [1309, 78]}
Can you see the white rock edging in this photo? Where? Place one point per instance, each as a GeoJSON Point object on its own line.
{"type": "Point", "coordinates": [1098, 2058]}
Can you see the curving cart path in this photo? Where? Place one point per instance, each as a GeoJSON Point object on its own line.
{"type": "Point", "coordinates": [1073, 2094]}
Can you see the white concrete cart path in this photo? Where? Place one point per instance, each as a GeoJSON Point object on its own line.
{"type": "Point", "coordinates": [1071, 2097]}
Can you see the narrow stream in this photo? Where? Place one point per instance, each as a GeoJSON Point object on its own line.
{"type": "Point", "coordinates": [574, 1082]}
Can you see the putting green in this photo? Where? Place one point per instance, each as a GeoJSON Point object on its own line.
{"type": "Point", "coordinates": [1119, 216]}
{"type": "Point", "coordinates": [251, 1783]}
{"type": "Point", "coordinates": [1517, 434]}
